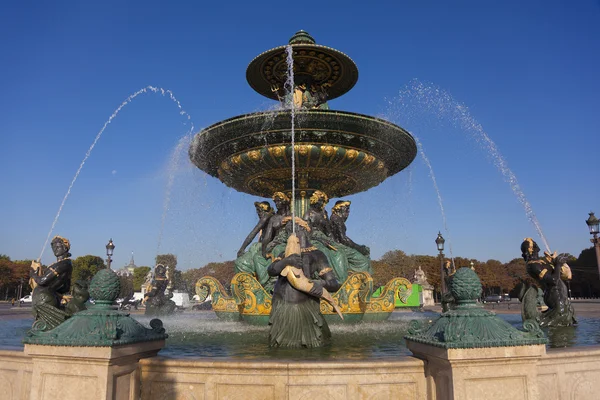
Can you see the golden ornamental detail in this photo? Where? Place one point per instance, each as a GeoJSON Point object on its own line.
{"type": "Point", "coordinates": [329, 150]}
{"type": "Point", "coordinates": [254, 155]}
{"type": "Point", "coordinates": [351, 154]}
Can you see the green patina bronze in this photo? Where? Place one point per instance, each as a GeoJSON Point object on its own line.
{"type": "Point", "coordinates": [101, 325]}
{"type": "Point", "coordinates": [468, 325]}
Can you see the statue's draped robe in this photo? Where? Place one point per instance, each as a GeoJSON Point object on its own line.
{"type": "Point", "coordinates": [296, 319]}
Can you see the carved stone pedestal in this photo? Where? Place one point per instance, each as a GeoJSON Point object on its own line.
{"type": "Point", "coordinates": [91, 373]}
{"type": "Point", "coordinates": [481, 373]}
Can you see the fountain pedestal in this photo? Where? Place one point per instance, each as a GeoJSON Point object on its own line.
{"type": "Point", "coordinates": [94, 373]}
{"type": "Point", "coordinates": [95, 353]}
{"type": "Point", "coordinates": [482, 373]}
{"type": "Point", "coordinates": [473, 354]}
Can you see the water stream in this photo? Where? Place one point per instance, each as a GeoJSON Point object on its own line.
{"type": "Point", "coordinates": [432, 99]}
{"type": "Point", "coordinates": [128, 100]}
{"type": "Point", "coordinates": [289, 85]}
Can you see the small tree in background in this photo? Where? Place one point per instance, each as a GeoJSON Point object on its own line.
{"type": "Point", "coordinates": [85, 267]}
{"type": "Point", "coordinates": [139, 277]}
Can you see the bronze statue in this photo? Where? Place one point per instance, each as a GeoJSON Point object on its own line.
{"type": "Point", "coordinates": [49, 285]}
{"type": "Point", "coordinates": [296, 319]}
{"type": "Point", "coordinates": [357, 255]}
{"type": "Point", "coordinates": [275, 237]}
{"type": "Point", "coordinates": [253, 261]}
{"type": "Point", "coordinates": [320, 234]}
{"type": "Point", "coordinates": [549, 272]}
{"type": "Point", "coordinates": [157, 301]}
{"type": "Point", "coordinates": [339, 215]}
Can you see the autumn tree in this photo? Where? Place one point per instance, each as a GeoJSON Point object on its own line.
{"type": "Point", "coordinates": [85, 267]}
{"type": "Point", "coordinates": [168, 260]}
{"type": "Point", "coordinates": [222, 271]}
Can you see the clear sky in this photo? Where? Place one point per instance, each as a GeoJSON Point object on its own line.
{"type": "Point", "coordinates": [527, 72]}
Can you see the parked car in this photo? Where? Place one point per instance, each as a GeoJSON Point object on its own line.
{"type": "Point", "coordinates": [26, 299]}
{"type": "Point", "coordinates": [493, 298]}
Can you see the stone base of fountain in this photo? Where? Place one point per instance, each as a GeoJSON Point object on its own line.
{"type": "Point", "coordinates": [94, 373]}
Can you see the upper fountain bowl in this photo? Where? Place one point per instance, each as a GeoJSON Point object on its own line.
{"type": "Point", "coordinates": [340, 153]}
{"type": "Point", "coordinates": [314, 64]}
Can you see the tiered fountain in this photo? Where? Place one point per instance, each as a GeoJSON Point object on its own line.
{"type": "Point", "coordinates": [301, 149]}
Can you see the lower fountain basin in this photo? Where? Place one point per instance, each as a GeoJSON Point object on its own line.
{"type": "Point", "coordinates": [201, 334]}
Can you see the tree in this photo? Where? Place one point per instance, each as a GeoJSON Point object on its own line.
{"type": "Point", "coordinates": [139, 277]}
{"type": "Point", "coordinates": [222, 271]}
{"type": "Point", "coordinates": [168, 260]}
{"type": "Point", "coordinates": [85, 267]}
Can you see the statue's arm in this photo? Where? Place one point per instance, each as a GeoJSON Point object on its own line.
{"type": "Point", "coordinates": [267, 237]}
{"type": "Point", "coordinates": [260, 225]}
{"type": "Point", "coordinates": [340, 235]}
{"type": "Point", "coordinates": [276, 267]}
{"type": "Point", "coordinates": [327, 277]}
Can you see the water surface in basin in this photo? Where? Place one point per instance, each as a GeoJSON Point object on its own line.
{"type": "Point", "coordinates": [201, 334]}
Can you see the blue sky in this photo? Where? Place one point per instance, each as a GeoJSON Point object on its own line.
{"type": "Point", "coordinates": [527, 72]}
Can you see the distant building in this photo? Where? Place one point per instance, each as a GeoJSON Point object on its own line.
{"type": "Point", "coordinates": [128, 269]}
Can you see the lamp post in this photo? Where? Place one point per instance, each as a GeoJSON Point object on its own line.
{"type": "Point", "coordinates": [594, 225]}
{"type": "Point", "coordinates": [20, 291]}
{"type": "Point", "coordinates": [110, 248]}
{"type": "Point", "coordinates": [439, 241]}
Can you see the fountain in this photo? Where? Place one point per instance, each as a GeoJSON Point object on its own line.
{"type": "Point", "coordinates": [301, 155]}
{"type": "Point", "coordinates": [466, 353]}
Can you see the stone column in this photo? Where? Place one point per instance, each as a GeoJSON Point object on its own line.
{"type": "Point", "coordinates": [472, 354]}
{"type": "Point", "coordinates": [481, 373]}
{"type": "Point", "coordinates": [93, 373]}
{"type": "Point", "coordinates": [94, 354]}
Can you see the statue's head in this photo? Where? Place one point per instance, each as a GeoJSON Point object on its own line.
{"type": "Point", "coordinates": [160, 271]}
{"type": "Point", "coordinates": [529, 249]}
{"type": "Point", "coordinates": [280, 200]}
{"type": "Point", "coordinates": [262, 207]}
{"type": "Point", "coordinates": [80, 291]}
{"type": "Point", "coordinates": [60, 246]}
{"type": "Point", "coordinates": [341, 208]}
{"type": "Point", "coordinates": [319, 199]}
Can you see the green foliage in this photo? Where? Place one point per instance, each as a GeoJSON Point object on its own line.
{"type": "Point", "coordinates": [126, 286]}
{"type": "Point", "coordinates": [139, 277]}
{"type": "Point", "coordinates": [85, 267]}
{"type": "Point", "coordinates": [168, 260]}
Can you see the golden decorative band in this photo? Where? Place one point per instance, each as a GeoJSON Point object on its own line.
{"type": "Point", "coordinates": [325, 270]}
{"type": "Point", "coordinates": [307, 249]}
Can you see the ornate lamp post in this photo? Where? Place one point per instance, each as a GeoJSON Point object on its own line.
{"type": "Point", "coordinates": [20, 292]}
{"type": "Point", "coordinates": [110, 248]}
{"type": "Point", "coordinates": [439, 241]}
{"type": "Point", "coordinates": [594, 225]}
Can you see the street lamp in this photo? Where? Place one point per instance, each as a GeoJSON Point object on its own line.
{"type": "Point", "coordinates": [20, 291]}
{"type": "Point", "coordinates": [439, 241]}
{"type": "Point", "coordinates": [594, 225]}
{"type": "Point", "coordinates": [110, 248]}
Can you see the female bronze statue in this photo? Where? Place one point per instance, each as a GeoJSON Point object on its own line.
{"type": "Point", "coordinates": [296, 319]}
{"type": "Point", "coordinates": [275, 236]}
{"type": "Point", "coordinates": [253, 261]}
{"type": "Point", "coordinates": [320, 233]}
